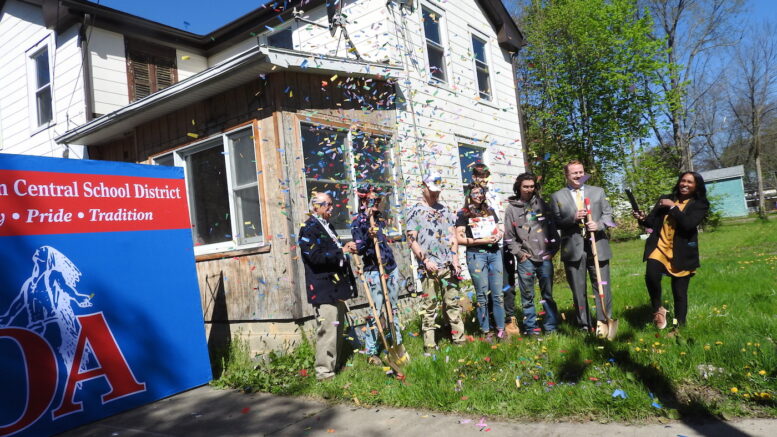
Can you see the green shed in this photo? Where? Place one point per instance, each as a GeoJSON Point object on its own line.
{"type": "Point", "coordinates": [726, 187]}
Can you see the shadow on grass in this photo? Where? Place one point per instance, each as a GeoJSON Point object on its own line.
{"type": "Point", "coordinates": [638, 316]}
{"type": "Point", "coordinates": [694, 414]}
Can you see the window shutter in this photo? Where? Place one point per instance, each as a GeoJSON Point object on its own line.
{"type": "Point", "coordinates": [139, 78]}
{"type": "Point", "coordinates": [150, 68]}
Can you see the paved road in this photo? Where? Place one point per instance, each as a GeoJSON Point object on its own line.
{"type": "Point", "coordinates": [208, 412]}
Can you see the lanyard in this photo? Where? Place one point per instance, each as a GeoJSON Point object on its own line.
{"type": "Point", "coordinates": [332, 235]}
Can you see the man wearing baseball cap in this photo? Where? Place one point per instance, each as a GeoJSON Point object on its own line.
{"type": "Point", "coordinates": [432, 238]}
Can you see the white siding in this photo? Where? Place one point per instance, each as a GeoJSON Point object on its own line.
{"type": "Point", "coordinates": [434, 118]}
{"type": "Point", "coordinates": [189, 64]}
{"type": "Point", "coordinates": [231, 51]}
{"type": "Point", "coordinates": [22, 27]}
{"type": "Point", "coordinates": [109, 71]}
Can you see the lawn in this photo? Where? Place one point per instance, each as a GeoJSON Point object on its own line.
{"type": "Point", "coordinates": [723, 364]}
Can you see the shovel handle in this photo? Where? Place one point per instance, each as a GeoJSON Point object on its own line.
{"type": "Point", "coordinates": [375, 313]}
{"type": "Point", "coordinates": [596, 257]}
{"type": "Point", "coordinates": [384, 287]}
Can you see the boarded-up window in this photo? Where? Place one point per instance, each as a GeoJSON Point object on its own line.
{"type": "Point", "coordinates": [150, 68]}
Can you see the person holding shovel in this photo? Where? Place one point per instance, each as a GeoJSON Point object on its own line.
{"type": "Point", "coordinates": [329, 281]}
{"type": "Point", "coordinates": [432, 238]}
{"type": "Point", "coordinates": [578, 225]}
{"type": "Point", "coordinates": [672, 249]}
{"type": "Point", "coordinates": [364, 235]}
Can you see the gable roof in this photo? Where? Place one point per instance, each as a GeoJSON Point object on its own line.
{"type": "Point", "coordinates": [64, 13]}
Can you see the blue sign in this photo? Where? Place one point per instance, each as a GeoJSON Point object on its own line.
{"type": "Point", "coordinates": [99, 303]}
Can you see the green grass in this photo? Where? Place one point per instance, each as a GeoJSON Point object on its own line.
{"type": "Point", "coordinates": [732, 324]}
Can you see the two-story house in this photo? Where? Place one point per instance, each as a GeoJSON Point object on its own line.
{"type": "Point", "coordinates": [263, 111]}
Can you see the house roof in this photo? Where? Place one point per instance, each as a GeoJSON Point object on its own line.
{"type": "Point", "coordinates": [64, 13]}
{"type": "Point", "coordinates": [723, 173]}
{"type": "Point", "coordinates": [223, 76]}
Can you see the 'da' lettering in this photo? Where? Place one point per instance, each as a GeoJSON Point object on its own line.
{"type": "Point", "coordinates": [41, 366]}
{"type": "Point", "coordinates": [112, 365]}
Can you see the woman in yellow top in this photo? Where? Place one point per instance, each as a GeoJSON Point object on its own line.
{"type": "Point", "coordinates": [672, 248]}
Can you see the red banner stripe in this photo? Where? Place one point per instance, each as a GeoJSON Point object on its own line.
{"type": "Point", "coordinates": [37, 203]}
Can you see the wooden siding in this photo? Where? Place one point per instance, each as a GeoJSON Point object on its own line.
{"type": "Point", "coordinates": [265, 283]}
{"type": "Point", "coordinates": [109, 70]}
{"type": "Point", "coordinates": [21, 28]}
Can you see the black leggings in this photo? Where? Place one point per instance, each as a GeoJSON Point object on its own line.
{"type": "Point", "coordinates": [653, 274]}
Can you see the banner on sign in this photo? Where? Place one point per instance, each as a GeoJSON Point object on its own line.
{"type": "Point", "coordinates": [99, 302]}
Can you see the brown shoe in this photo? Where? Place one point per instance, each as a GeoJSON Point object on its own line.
{"type": "Point", "coordinates": [374, 360]}
{"type": "Point", "coordinates": [659, 318]}
{"type": "Point", "coordinates": [511, 328]}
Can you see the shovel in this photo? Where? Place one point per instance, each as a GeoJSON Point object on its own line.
{"type": "Point", "coordinates": [397, 351]}
{"type": "Point", "coordinates": [391, 361]}
{"type": "Point", "coordinates": [612, 324]}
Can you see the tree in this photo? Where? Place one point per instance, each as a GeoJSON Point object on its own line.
{"type": "Point", "coordinates": [691, 31]}
{"type": "Point", "coordinates": [588, 77]}
{"type": "Point", "coordinates": [754, 87]}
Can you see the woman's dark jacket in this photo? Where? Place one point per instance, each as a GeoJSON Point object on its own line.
{"type": "Point", "coordinates": [328, 275]}
{"type": "Point", "coordinates": [685, 246]}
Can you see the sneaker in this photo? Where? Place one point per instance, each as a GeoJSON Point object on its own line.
{"type": "Point", "coordinates": [659, 318]}
{"type": "Point", "coordinates": [374, 360]}
{"type": "Point", "coordinates": [602, 329]}
{"type": "Point", "coordinates": [500, 334]}
{"type": "Point", "coordinates": [430, 349]}
{"type": "Point", "coordinates": [489, 337]}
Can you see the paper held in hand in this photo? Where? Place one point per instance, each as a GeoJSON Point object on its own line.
{"type": "Point", "coordinates": [482, 227]}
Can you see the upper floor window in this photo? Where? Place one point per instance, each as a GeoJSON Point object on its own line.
{"type": "Point", "coordinates": [435, 52]}
{"type": "Point", "coordinates": [338, 160]}
{"type": "Point", "coordinates": [150, 68]}
{"type": "Point", "coordinates": [223, 191]}
{"type": "Point", "coordinates": [40, 73]}
{"type": "Point", "coordinates": [481, 67]}
{"type": "Point", "coordinates": [468, 157]}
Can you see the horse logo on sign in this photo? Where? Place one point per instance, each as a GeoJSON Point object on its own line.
{"type": "Point", "coordinates": [43, 318]}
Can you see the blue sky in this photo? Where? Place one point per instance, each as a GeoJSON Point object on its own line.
{"type": "Point", "coordinates": [204, 16]}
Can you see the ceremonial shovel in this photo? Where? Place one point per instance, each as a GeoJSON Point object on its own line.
{"type": "Point", "coordinates": [396, 351]}
{"type": "Point", "coordinates": [391, 361]}
{"type": "Point", "coordinates": [612, 324]}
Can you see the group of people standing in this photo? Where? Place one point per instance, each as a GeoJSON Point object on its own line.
{"type": "Point", "coordinates": [500, 253]}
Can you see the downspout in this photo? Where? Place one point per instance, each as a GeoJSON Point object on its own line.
{"type": "Point", "coordinates": [86, 66]}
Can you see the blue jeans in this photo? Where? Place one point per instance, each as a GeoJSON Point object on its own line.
{"type": "Point", "coordinates": [527, 270]}
{"type": "Point", "coordinates": [485, 268]}
{"type": "Point", "coordinates": [376, 290]}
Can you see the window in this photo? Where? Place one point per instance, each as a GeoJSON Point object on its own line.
{"type": "Point", "coordinates": [223, 191]}
{"type": "Point", "coordinates": [39, 71]}
{"type": "Point", "coordinates": [481, 67]}
{"type": "Point", "coordinates": [150, 68]}
{"type": "Point", "coordinates": [435, 53]}
{"type": "Point", "coordinates": [338, 160]}
{"type": "Point", "coordinates": [281, 39]}
{"type": "Point", "coordinates": [468, 156]}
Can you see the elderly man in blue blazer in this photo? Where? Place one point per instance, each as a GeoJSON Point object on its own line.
{"type": "Point", "coordinates": [569, 209]}
{"type": "Point", "coordinates": [329, 281]}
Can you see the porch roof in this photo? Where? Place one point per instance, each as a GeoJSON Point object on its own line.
{"type": "Point", "coordinates": [228, 74]}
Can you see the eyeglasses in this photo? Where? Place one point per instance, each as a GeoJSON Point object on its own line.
{"type": "Point", "coordinates": [325, 204]}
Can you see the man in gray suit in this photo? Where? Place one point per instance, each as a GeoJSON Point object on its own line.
{"type": "Point", "coordinates": [568, 206]}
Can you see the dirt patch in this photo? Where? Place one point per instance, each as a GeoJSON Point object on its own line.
{"type": "Point", "coordinates": [689, 394]}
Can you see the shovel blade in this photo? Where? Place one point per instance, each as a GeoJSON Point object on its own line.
{"type": "Point", "coordinates": [398, 355]}
{"type": "Point", "coordinates": [612, 329]}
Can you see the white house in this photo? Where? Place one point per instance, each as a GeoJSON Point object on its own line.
{"type": "Point", "coordinates": [264, 110]}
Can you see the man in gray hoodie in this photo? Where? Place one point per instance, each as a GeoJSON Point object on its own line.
{"type": "Point", "coordinates": [530, 234]}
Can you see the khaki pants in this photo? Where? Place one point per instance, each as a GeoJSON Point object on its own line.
{"type": "Point", "coordinates": [329, 338]}
{"type": "Point", "coordinates": [445, 287]}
